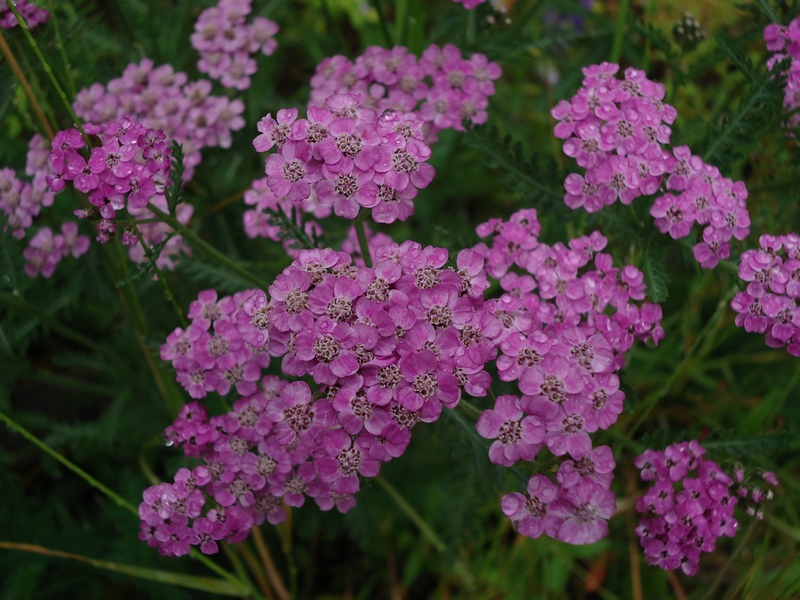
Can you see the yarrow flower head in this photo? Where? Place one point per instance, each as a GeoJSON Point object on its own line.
{"type": "Point", "coordinates": [690, 503]}
{"type": "Point", "coordinates": [784, 42]}
{"type": "Point", "coordinates": [442, 87]}
{"type": "Point", "coordinates": [161, 99]}
{"type": "Point", "coordinates": [619, 131]}
{"type": "Point", "coordinates": [127, 169]}
{"type": "Point", "coordinates": [562, 329]}
{"type": "Point", "coordinates": [769, 305]}
{"type": "Point", "coordinates": [347, 157]}
{"type": "Point", "coordinates": [389, 346]}
{"type": "Point", "coordinates": [21, 200]}
{"type": "Point", "coordinates": [227, 42]}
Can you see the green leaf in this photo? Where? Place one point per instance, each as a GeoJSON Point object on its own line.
{"type": "Point", "coordinates": [654, 268]}
{"type": "Point", "coordinates": [206, 584]}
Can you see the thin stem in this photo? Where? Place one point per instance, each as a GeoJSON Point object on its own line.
{"type": "Point", "coordinates": [269, 565]}
{"type": "Point", "coordinates": [255, 568]}
{"type": "Point", "coordinates": [377, 5]}
{"type": "Point", "coordinates": [50, 74]}
{"type": "Point", "coordinates": [68, 464]}
{"type": "Point", "coordinates": [207, 584]}
{"type": "Point", "coordinates": [470, 409]}
{"type": "Point", "coordinates": [770, 12]}
{"type": "Point", "coordinates": [426, 530]}
{"type": "Point", "coordinates": [60, 43]}
{"type": "Point", "coordinates": [286, 546]}
{"type": "Point", "coordinates": [26, 87]}
{"type": "Point", "coordinates": [650, 402]}
{"type": "Point", "coordinates": [361, 233]}
{"type": "Point", "coordinates": [204, 246]}
{"type": "Point", "coordinates": [148, 252]}
{"type": "Point", "coordinates": [619, 32]}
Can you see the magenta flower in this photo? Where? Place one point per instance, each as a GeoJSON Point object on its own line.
{"type": "Point", "coordinates": [518, 436]}
{"type": "Point", "coordinates": [585, 509]}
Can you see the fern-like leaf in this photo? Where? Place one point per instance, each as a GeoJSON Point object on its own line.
{"type": "Point", "coordinates": [654, 268]}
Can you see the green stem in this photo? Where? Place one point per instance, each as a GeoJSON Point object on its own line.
{"type": "Point", "coordinates": [712, 591]}
{"type": "Point", "coordinates": [650, 402]}
{"type": "Point", "coordinates": [60, 42]}
{"type": "Point", "coordinates": [148, 251]}
{"type": "Point", "coordinates": [426, 530]}
{"type": "Point", "coordinates": [361, 233]}
{"type": "Point", "coordinates": [207, 248]}
{"type": "Point", "coordinates": [619, 32]}
{"type": "Point", "coordinates": [770, 12]}
{"type": "Point", "coordinates": [50, 74]}
{"type": "Point", "coordinates": [119, 500]}
{"type": "Point", "coordinates": [68, 464]}
{"type": "Point", "coordinates": [470, 409]}
{"type": "Point", "coordinates": [377, 5]}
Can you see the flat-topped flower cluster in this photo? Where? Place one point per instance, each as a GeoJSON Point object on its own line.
{"type": "Point", "coordinates": [389, 346]}
{"type": "Point", "coordinates": [442, 87]}
{"type": "Point", "coordinates": [226, 42]}
{"type": "Point", "coordinates": [618, 131]}
{"type": "Point", "coordinates": [164, 100]}
{"type": "Point", "coordinates": [565, 329]}
{"type": "Point", "coordinates": [690, 503]}
{"type": "Point", "coordinates": [348, 156]}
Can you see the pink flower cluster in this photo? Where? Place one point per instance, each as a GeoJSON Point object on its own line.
{"type": "Point", "coordinates": [771, 302]}
{"type": "Point", "coordinates": [129, 168]}
{"type": "Point", "coordinates": [616, 130]}
{"type": "Point", "coordinates": [161, 99]}
{"type": "Point", "coordinates": [227, 43]}
{"type": "Point", "coordinates": [349, 156]}
{"type": "Point", "coordinates": [32, 14]}
{"type": "Point", "coordinates": [22, 201]}
{"type": "Point", "coordinates": [278, 445]}
{"type": "Point", "coordinates": [703, 197]}
{"type": "Point", "coordinates": [211, 354]}
{"type": "Point", "coordinates": [260, 221]}
{"type": "Point", "coordinates": [442, 88]}
{"type": "Point", "coordinates": [784, 41]}
{"type": "Point", "coordinates": [562, 329]}
{"type": "Point", "coordinates": [389, 346]}
{"type": "Point", "coordinates": [45, 250]}
{"type": "Point", "coordinates": [683, 516]}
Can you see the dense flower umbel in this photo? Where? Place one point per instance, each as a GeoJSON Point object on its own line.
{"type": "Point", "coordinates": [126, 169]}
{"type": "Point", "coordinates": [618, 130]}
{"type": "Point", "coordinates": [32, 14]}
{"type": "Point", "coordinates": [164, 100]}
{"type": "Point", "coordinates": [348, 156]}
{"type": "Point", "coordinates": [389, 346]}
{"type": "Point", "coordinates": [227, 42]}
{"type": "Point", "coordinates": [769, 305]}
{"type": "Point", "coordinates": [683, 516]}
{"type": "Point", "coordinates": [442, 88]}
{"type": "Point", "coordinates": [562, 330]}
